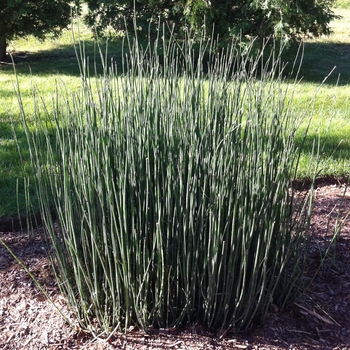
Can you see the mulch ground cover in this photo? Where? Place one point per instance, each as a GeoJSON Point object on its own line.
{"type": "Point", "coordinates": [318, 319]}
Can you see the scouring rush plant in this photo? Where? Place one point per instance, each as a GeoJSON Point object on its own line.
{"type": "Point", "coordinates": [171, 188]}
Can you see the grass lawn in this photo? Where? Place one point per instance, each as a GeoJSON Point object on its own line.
{"type": "Point", "coordinates": [43, 64]}
{"type": "Point", "coordinates": [40, 65]}
{"type": "Point", "coordinates": [330, 115]}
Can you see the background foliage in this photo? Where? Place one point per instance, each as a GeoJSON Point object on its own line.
{"type": "Point", "coordinates": [20, 18]}
{"type": "Point", "coordinates": [224, 18]}
{"type": "Point", "coordinates": [286, 19]}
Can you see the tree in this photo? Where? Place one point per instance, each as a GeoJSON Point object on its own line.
{"type": "Point", "coordinates": [249, 18]}
{"type": "Point", "coordinates": [39, 18]}
{"type": "Point", "coordinates": [120, 14]}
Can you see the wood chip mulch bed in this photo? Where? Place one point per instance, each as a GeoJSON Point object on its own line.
{"type": "Point", "coordinates": [320, 319]}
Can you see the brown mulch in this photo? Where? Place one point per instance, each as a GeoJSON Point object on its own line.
{"type": "Point", "coordinates": [320, 319]}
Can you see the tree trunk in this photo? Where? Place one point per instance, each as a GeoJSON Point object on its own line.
{"type": "Point", "coordinates": [3, 46]}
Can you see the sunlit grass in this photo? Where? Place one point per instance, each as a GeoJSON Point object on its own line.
{"type": "Point", "coordinates": [342, 4]}
{"type": "Point", "coordinates": [330, 127]}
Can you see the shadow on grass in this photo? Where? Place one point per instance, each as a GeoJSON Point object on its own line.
{"type": "Point", "coordinates": [62, 60]}
{"type": "Point", "coordinates": [13, 171]}
{"type": "Point", "coordinates": [330, 146]}
{"type": "Point", "coordinates": [319, 60]}
{"type": "Point", "coordinates": [330, 154]}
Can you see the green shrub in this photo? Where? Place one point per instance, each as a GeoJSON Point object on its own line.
{"type": "Point", "coordinates": [171, 188]}
{"type": "Point", "coordinates": [248, 18]}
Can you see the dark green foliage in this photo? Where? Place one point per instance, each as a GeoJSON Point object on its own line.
{"type": "Point", "coordinates": [285, 19]}
{"type": "Point", "coordinates": [39, 18]}
{"type": "Point", "coordinates": [121, 14]}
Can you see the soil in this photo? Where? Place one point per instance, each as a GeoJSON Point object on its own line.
{"type": "Point", "coordinates": [319, 319]}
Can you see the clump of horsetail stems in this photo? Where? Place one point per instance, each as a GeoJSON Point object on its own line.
{"type": "Point", "coordinates": [169, 176]}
